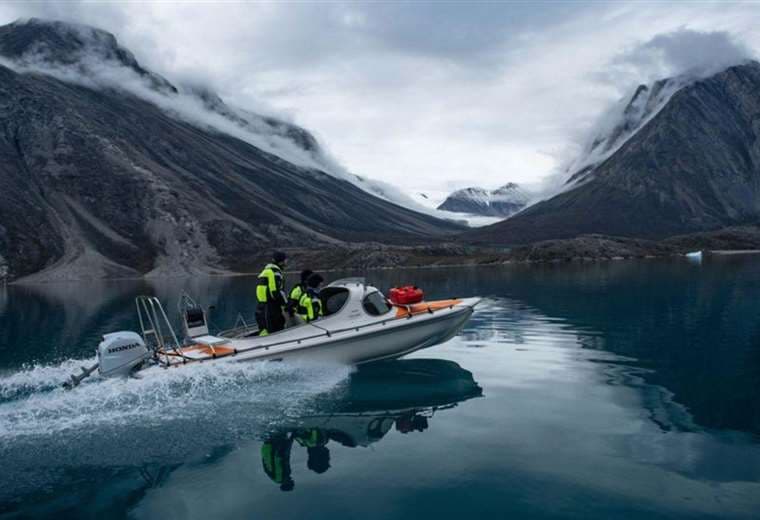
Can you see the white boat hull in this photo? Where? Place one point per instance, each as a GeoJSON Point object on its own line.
{"type": "Point", "coordinates": [370, 343]}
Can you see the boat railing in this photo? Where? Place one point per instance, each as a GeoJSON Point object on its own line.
{"type": "Point", "coordinates": [325, 332]}
{"type": "Point", "coordinates": [157, 330]}
{"type": "Point", "coordinates": [240, 328]}
{"type": "Point", "coordinates": [159, 334]}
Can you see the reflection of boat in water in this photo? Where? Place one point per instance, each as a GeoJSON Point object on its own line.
{"type": "Point", "coordinates": [360, 325]}
{"type": "Point", "coordinates": [403, 395]}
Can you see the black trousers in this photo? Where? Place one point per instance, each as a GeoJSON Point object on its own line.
{"type": "Point", "coordinates": [269, 316]}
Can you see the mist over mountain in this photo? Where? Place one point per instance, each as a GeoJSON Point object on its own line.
{"type": "Point", "coordinates": [675, 162]}
{"type": "Point", "coordinates": [501, 202]}
{"type": "Point", "coordinates": [55, 43]}
{"type": "Point", "coordinates": [619, 124]}
{"type": "Point", "coordinates": [108, 169]}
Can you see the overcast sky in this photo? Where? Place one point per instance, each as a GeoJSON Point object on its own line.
{"type": "Point", "coordinates": [428, 96]}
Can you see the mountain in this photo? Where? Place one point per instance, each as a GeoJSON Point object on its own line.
{"type": "Point", "coordinates": [501, 202]}
{"type": "Point", "coordinates": [108, 169]}
{"type": "Point", "coordinates": [71, 45]}
{"type": "Point", "coordinates": [619, 123]}
{"type": "Point", "coordinates": [692, 165]}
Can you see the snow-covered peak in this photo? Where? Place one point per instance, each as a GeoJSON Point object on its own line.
{"type": "Point", "coordinates": [510, 192]}
{"type": "Point", "coordinates": [501, 202]}
{"type": "Point", "coordinates": [473, 194]}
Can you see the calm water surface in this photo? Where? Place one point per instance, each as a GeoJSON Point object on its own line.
{"type": "Point", "coordinates": [616, 390]}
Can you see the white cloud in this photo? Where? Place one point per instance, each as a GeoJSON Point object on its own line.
{"type": "Point", "coordinates": [683, 51]}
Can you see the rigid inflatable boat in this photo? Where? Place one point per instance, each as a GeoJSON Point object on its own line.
{"type": "Point", "coordinates": [360, 325]}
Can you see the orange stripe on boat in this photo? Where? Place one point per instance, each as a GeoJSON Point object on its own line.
{"type": "Point", "coordinates": [402, 311]}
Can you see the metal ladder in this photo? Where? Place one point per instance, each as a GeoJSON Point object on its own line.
{"type": "Point", "coordinates": [151, 314]}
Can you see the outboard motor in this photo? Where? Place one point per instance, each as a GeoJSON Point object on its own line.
{"type": "Point", "coordinates": [120, 353]}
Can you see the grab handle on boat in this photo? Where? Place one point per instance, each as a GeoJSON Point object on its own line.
{"type": "Point", "coordinates": [327, 332]}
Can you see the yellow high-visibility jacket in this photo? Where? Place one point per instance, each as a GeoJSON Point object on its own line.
{"type": "Point", "coordinates": [310, 306]}
{"type": "Point", "coordinates": [271, 285]}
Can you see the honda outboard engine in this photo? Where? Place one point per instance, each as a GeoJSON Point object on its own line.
{"type": "Point", "coordinates": [120, 353]}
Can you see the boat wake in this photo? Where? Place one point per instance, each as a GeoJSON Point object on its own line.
{"type": "Point", "coordinates": [33, 403]}
{"type": "Point", "coordinates": [164, 417]}
{"type": "Point", "coordinates": [38, 378]}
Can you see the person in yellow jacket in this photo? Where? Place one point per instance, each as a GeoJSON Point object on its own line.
{"type": "Point", "coordinates": [275, 454]}
{"type": "Point", "coordinates": [294, 296]}
{"type": "Point", "coordinates": [310, 304]}
{"type": "Point", "coordinates": [317, 454]}
{"type": "Point", "coordinates": [270, 296]}
{"type": "Point", "coordinates": [275, 457]}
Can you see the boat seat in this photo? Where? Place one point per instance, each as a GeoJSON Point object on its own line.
{"type": "Point", "coordinates": [210, 340]}
{"type": "Point", "coordinates": [201, 351]}
{"type": "Point", "coordinates": [208, 346]}
{"type": "Point", "coordinates": [204, 347]}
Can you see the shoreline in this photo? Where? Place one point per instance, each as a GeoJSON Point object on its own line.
{"type": "Point", "coordinates": [236, 274]}
{"type": "Point", "coordinates": [462, 265]}
{"type": "Point", "coordinates": [374, 256]}
{"type": "Point", "coordinates": [731, 252]}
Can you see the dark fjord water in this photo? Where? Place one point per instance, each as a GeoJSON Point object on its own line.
{"type": "Point", "coordinates": [617, 390]}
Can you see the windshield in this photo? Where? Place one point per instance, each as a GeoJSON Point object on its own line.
{"type": "Point", "coordinates": [333, 299]}
{"type": "Point", "coordinates": [375, 304]}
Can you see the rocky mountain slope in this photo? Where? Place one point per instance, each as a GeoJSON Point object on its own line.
{"type": "Point", "coordinates": [101, 180]}
{"type": "Point", "coordinates": [619, 123]}
{"type": "Point", "coordinates": [693, 166]}
{"type": "Point", "coordinates": [501, 202]}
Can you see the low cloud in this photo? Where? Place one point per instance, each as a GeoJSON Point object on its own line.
{"type": "Point", "coordinates": [94, 68]}
{"type": "Point", "coordinates": [681, 56]}
{"type": "Point", "coordinates": [682, 52]}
